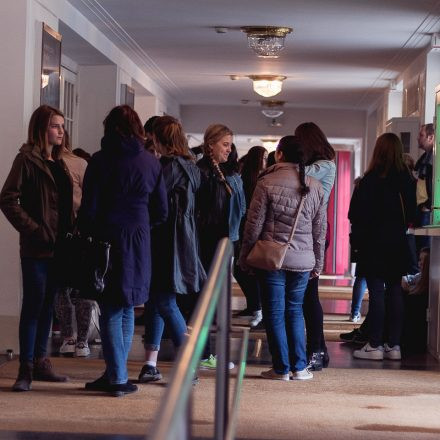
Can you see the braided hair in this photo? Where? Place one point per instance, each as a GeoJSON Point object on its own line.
{"type": "Point", "coordinates": [293, 152]}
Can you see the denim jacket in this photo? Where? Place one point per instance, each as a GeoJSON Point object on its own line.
{"type": "Point", "coordinates": [237, 208]}
{"type": "Point", "coordinates": [324, 171]}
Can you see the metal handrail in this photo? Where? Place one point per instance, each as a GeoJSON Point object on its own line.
{"type": "Point", "coordinates": [173, 416]}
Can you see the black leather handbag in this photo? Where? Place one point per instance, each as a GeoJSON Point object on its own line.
{"type": "Point", "coordinates": [82, 263]}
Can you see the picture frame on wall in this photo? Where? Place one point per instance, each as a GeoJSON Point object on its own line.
{"type": "Point", "coordinates": [50, 67]}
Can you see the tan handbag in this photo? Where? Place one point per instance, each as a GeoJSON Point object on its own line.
{"type": "Point", "coordinates": [269, 255]}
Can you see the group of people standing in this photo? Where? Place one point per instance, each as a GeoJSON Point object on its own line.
{"type": "Point", "coordinates": [164, 212]}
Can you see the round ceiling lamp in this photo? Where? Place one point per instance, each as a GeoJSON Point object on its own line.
{"type": "Point", "coordinates": [267, 85]}
{"type": "Point", "coordinates": [266, 41]}
{"type": "Point", "coordinates": [272, 109]}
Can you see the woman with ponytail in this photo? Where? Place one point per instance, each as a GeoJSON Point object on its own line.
{"type": "Point", "coordinates": [270, 217]}
{"type": "Point", "coordinates": [319, 157]}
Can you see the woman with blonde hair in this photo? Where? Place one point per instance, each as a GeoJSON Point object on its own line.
{"type": "Point", "coordinates": [37, 200]}
{"type": "Point", "coordinates": [382, 207]}
{"type": "Point", "coordinates": [176, 266]}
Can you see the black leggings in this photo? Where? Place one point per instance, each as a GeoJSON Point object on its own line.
{"type": "Point", "coordinates": [314, 318]}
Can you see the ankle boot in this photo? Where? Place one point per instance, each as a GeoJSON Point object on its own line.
{"type": "Point", "coordinates": [24, 378]}
{"type": "Point", "coordinates": [43, 371]}
{"type": "Point", "coordinates": [315, 362]}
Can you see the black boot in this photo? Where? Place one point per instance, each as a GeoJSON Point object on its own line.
{"type": "Point", "coordinates": [325, 358]}
{"type": "Point", "coordinates": [43, 371]}
{"type": "Point", "coordinates": [315, 362]}
{"type": "Point", "coordinates": [24, 378]}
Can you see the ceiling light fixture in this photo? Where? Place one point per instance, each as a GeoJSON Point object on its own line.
{"type": "Point", "coordinates": [266, 41]}
{"type": "Point", "coordinates": [272, 109]}
{"type": "Point", "coordinates": [267, 85]}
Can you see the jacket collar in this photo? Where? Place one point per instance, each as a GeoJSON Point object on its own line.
{"type": "Point", "coordinates": [277, 167]}
{"type": "Point", "coordinates": [33, 154]}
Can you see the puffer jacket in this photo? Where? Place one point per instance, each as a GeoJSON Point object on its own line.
{"type": "Point", "coordinates": [272, 213]}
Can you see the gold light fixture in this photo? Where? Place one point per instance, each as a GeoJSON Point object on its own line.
{"type": "Point", "coordinates": [272, 109]}
{"type": "Point", "coordinates": [266, 41]}
{"type": "Point", "coordinates": [267, 85]}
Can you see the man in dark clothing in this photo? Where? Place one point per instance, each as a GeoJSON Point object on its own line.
{"type": "Point", "coordinates": [423, 169]}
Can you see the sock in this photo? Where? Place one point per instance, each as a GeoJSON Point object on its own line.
{"type": "Point", "coordinates": [151, 363]}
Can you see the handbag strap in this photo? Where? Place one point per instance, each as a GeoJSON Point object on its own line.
{"type": "Point", "coordinates": [292, 232]}
{"type": "Point", "coordinates": [403, 210]}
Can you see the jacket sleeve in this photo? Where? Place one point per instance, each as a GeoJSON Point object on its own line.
{"type": "Point", "coordinates": [158, 206]}
{"type": "Point", "coordinates": [410, 201]}
{"type": "Point", "coordinates": [319, 229]}
{"type": "Point", "coordinates": [255, 219]}
{"type": "Point", "coordinates": [10, 199]}
{"type": "Point", "coordinates": [319, 169]}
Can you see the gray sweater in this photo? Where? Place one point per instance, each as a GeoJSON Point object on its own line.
{"type": "Point", "coordinates": [272, 213]}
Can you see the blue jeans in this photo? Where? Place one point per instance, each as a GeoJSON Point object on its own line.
{"type": "Point", "coordinates": [117, 327]}
{"type": "Point", "coordinates": [385, 312]}
{"type": "Point", "coordinates": [37, 308]}
{"type": "Point", "coordinates": [359, 286]}
{"type": "Point", "coordinates": [162, 309]}
{"type": "Point", "coordinates": [282, 296]}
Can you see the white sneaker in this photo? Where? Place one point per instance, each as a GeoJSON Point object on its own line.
{"type": "Point", "coordinates": [355, 318]}
{"type": "Point", "coordinates": [256, 318]}
{"type": "Point", "coordinates": [82, 349]}
{"type": "Point", "coordinates": [392, 353]}
{"type": "Point", "coordinates": [302, 375]}
{"type": "Point", "coordinates": [68, 346]}
{"type": "Point", "coordinates": [369, 352]}
{"type": "Point", "coordinates": [271, 374]}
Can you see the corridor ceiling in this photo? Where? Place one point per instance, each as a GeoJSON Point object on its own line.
{"type": "Point", "coordinates": [341, 53]}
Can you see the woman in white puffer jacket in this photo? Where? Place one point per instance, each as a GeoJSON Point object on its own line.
{"type": "Point", "coordinates": [271, 217]}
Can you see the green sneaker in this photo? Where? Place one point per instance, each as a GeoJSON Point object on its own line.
{"type": "Point", "coordinates": [211, 363]}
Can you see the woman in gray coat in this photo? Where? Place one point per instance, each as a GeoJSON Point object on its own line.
{"type": "Point", "coordinates": [271, 216]}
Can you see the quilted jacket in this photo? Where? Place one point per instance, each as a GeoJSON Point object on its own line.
{"type": "Point", "coordinates": [272, 213]}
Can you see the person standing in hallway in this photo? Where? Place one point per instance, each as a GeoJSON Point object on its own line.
{"type": "Point", "coordinates": [37, 200]}
{"type": "Point", "coordinates": [423, 170]}
{"type": "Point", "coordinates": [382, 206]}
{"type": "Point", "coordinates": [123, 197]}
{"type": "Point", "coordinates": [274, 208]}
{"type": "Point", "coordinates": [176, 266]}
{"type": "Point", "coordinates": [320, 164]}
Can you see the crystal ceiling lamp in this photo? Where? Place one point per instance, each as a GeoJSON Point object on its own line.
{"type": "Point", "coordinates": [267, 85]}
{"type": "Point", "coordinates": [272, 109]}
{"type": "Point", "coordinates": [266, 41]}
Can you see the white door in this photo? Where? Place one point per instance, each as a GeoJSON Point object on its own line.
{"type": "Point", "coordinates": [68, 104]}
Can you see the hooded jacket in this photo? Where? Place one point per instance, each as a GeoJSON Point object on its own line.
{"type": "Point", "coordinates": [272, 213]}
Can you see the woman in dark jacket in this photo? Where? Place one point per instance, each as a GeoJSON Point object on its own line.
{"type": "Point", "coordinates": [123, 196]}
{"type": "Point", "coordinates": [177, 269]}
{"type": "Point", "coordinates": [37, 199]}
{"type": "Point", "coordinates": [381, 208]}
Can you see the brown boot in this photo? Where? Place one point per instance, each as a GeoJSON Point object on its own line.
{"type": "Point", "coordinates": [24, 378]}
{"type": "Point", "coordinates": [43, 371]}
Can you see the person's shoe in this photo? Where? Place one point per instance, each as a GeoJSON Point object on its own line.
{"type": "Point", "coordinates": [68, 346]}
{"type": "Point", "coordinates": [315, 362]}
{"type": "Point", "coordinates": [355, 318]}
{"type": "Point", "coordinates": [369, 352]}
{"type": "Point", "coordinates": [82, 349]}
{"type": "Point", "coordinates": [354, 336]}
{"type": "Point", "coordinates": [24, 378]}
{"type": "Point", "coordinates": [272, 374]}
{"type": "Point", "coordinates": [246, 313]}
{"type": "Point", "coordinates": [119, 390]}
{"type": "Point", "coordinates": [149, 374]}
{"type": "Point", "coordinates": [43, 371]}
{"type": "Point", "coordinates": [257, 317]}
{"type": "Point", "coordinates": [211, 363]}
{"type": "Point", "coordinates": [302, 375]}
{"type": "Point", "coordinates": [393, 353]}
{"type": "Point", "coordinates": [258, 327]}
{"type": "Point", "coordinates": [100, 384]}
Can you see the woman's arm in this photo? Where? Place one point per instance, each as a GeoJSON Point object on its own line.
{"type": "Point", "coordinates": [319, 229]}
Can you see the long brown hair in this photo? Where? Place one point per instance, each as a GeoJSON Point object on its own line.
{"type": "Point", "coordinates": [387, 155]}
{"type": "Point", "coordinates": [315, 143]}
{"type": "Point", "coordinates": [124, 121]}
{"type": "Point", "coordinates": [252, 166]}
{"type": "Point", "coordinates": [38, 126]}
{"type": "Point", "coordinates": [169, 137]}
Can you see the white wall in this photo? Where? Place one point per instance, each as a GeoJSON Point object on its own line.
{"type": "Point", "coordinates": [432, 81]}
{"type": "Point", "coordinates": [249, 120]}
